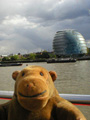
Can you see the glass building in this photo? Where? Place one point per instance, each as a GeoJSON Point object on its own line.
{"type": "Point", "coordinates": [69, 42]}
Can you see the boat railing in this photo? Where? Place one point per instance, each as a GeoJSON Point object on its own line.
{"type": "Point", "coordinates": [76, 99]}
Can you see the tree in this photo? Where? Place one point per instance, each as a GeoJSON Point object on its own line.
{"type": "Point", "coordinates": [23, 58]}
{"type": "Point", "coordinates": [52, 55]}
{"type": "Point", "coordinates": [45, 54]}
{"type": "Point", "coordinates": [5, 59]}
{"type": "Point", "coordinates": [88, 51]}
{"type": "Point", "coordinates": [32, 56]}
{"type": "Point", "coordinates": [15, 57]}
{"type": "Point", "coordinates": [38, 56]}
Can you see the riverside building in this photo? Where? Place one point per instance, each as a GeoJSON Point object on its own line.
{"type": "Point", "coordinates": [69, 42]}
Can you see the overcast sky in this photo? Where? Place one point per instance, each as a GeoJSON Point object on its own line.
{"type": "Point", "coordinates": [29, 25]}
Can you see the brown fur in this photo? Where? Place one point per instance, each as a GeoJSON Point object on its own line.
{"type": "Point", "coordinates": [36, 98]}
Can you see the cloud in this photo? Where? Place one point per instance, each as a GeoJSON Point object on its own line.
{"type": "Point", "coordinates": [19, 21]}
{"type": "Point", "coordinates": [29, 25]}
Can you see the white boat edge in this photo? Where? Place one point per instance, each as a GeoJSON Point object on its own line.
{"type": "Point", "coordinates": [74, 98]}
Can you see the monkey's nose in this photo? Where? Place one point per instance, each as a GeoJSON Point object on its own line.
{"type": "Point", "coordinates": [29, 85]}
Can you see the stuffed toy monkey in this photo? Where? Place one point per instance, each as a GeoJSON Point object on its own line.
{"type": "Point", "coordinates": [36, 98]}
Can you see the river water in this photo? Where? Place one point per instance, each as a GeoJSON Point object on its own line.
{"type": "Point", "coordinates": [73, 78]}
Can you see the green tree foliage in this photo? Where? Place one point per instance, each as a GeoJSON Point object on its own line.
{"type": "Point", "coordinates": [88, 51]}
{"type": "Point", "coordinates": [15, 57]}
{"type": "Point", "coordinates": [5, 59]}
{"type": "Point", "coordinates": [32, 56]}
{"type": "Point", "coordinates": [52, 55]}
{"type": "Point", "coordinates": [45, 54]}
{"type": "Point", "coordinates": [38, 56]}
{"type": "Point", "coordinates": [22, 58]}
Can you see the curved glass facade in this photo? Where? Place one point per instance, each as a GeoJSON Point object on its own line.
{"type": "Point", "coordinates": [69, 42]}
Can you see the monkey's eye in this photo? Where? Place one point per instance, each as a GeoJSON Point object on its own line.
{"type": "Point", "coordinates": [23, 74]}
{"type": "Point", "coordinates": [41, 73]}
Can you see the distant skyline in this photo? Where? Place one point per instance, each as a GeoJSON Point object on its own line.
{"type": "Point", "coordinates": [28, 26]}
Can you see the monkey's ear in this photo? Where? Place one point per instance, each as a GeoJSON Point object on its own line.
{"type": "Point", "coordinates": [15, 74]}
{"type": "Point", "coordinates": [53, 75]}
